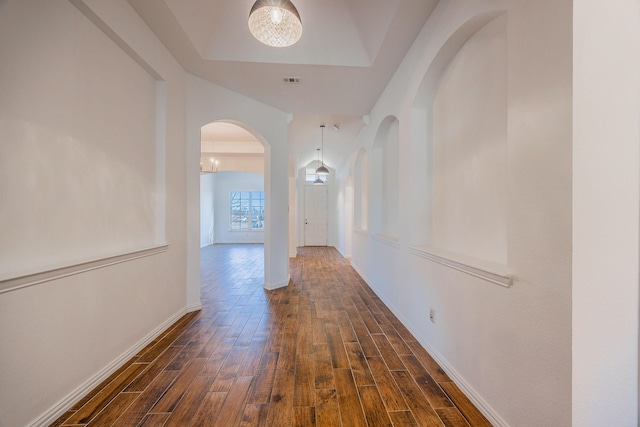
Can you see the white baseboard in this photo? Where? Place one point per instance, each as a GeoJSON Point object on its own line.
{"type": "Point", "coordinates": [56, 411]}
{"type": "Point", "coordinates": [482, 405]}
{"type": "Point", "coordinates": [274, 286]}
{"type": "Point", "coordinates": [469, 391]}
{"type": "Point", "coordinates": [344, 254]}
{"type": "Point", "coordinates": [361, 274]}
{"type": "Point", "coordinates": [193, 307]}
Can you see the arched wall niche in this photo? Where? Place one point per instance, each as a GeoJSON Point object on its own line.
{"type": "Point", "coordinates": [459, 144]}
{"type": "Point", "coordinates": [384, 176]}
{"type": "Point", "coordinates": [360, 190]}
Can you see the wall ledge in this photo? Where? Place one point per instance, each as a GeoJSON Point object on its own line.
{"type": "Point", "coordinates": [16, 282]}
{"type": "Point", "coordinates": [394, 242]}
{"type": "Point", "coordinates": [491, 272]}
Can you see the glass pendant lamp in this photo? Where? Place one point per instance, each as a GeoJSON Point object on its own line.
{"type": "Point", "coordinates": [275, 23]}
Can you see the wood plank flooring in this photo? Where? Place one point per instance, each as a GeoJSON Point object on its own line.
{"type": "Point", "coordinates": [324, 351]}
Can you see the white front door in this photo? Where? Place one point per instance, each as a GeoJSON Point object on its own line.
{"type": "Point", "coordinates": [315, 215]}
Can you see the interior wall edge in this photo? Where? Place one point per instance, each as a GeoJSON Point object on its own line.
{"type": "Point", "coordinates": [109, 32]}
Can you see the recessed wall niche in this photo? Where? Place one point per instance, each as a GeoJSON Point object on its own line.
{"type": "Point", "coordinates": [384, 198]}
{"type": "Point", "coordinates": [462, 111]}
{"type": "Point", "coordinates": [87, 177]}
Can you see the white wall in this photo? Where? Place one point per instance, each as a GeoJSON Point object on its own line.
{"type": "Point", "coordinates": [508, 348]}
{"type": "Point", "coordinates": [75, 184]}
{"type": "Point", "coordinates": [76, 158]}
{"type": "Point", "coordinates": [605, 212]}
{"type": "Point", "coordinates": [207, 211]}
{"type": "Point", "coordinates": [343, 217]}
{"type": "Point", "coordinates": [293, 218]}
{"type": "Point", "coordinates": [225, 183]}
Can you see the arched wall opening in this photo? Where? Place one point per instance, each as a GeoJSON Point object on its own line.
{"type": "Point", "coordinates": [208, 103]}
{"type": "Point", "coordinates": [231, 185]}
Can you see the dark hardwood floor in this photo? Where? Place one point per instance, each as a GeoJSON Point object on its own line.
{"type": "Point", "coordinates": [324, 351]}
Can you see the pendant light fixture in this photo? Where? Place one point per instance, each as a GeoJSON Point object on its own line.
{"type": "Point", "coordinates": [275, 23]}
{"type": "Point", "coordinates": [322, 169]}
{"type": "Point", "coordinates": [318, 180]}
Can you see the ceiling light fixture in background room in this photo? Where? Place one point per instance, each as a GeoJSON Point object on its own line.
{"type": "Point", "coordinates": [275, 23]}
{"type": "Point", "coordinates": [322, 169]}
{"type": "Point", "coordinates": [214, 162]}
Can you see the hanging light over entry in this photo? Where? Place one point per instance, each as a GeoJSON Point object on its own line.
{"type": "Point", "coordinates": [322, 169]}
{"type": "Point", "coordinates": [275, 23]}
{"type": "Point", "coordinates": [318, 180]}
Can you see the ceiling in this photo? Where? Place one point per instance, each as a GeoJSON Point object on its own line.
{"type": "Point", "coordinates": [348, 52]}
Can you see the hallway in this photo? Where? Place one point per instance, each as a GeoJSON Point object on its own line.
{"type": "Point", "coordinates": [324, 351]}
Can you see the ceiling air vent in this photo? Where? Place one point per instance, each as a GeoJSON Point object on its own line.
{"type": "Point", "coordinates": [291, 80]}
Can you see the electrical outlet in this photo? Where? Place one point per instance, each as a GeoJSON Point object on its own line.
{"type": "Point", "coordinates": [432, 315]}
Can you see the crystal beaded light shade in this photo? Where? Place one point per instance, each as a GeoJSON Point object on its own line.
{"type": "Point", "coordinates": [275, 22]}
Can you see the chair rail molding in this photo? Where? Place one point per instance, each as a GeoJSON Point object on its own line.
{"type": "Point", "coordinates": [13, 283]}
{"type": "Point", "coordinates": [494, 273]}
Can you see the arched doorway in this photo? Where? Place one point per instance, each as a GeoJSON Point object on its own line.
{"type": "Point", "coordinates": [212, 104]}
{"type": "Point", "coordinates": [232, 196]}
